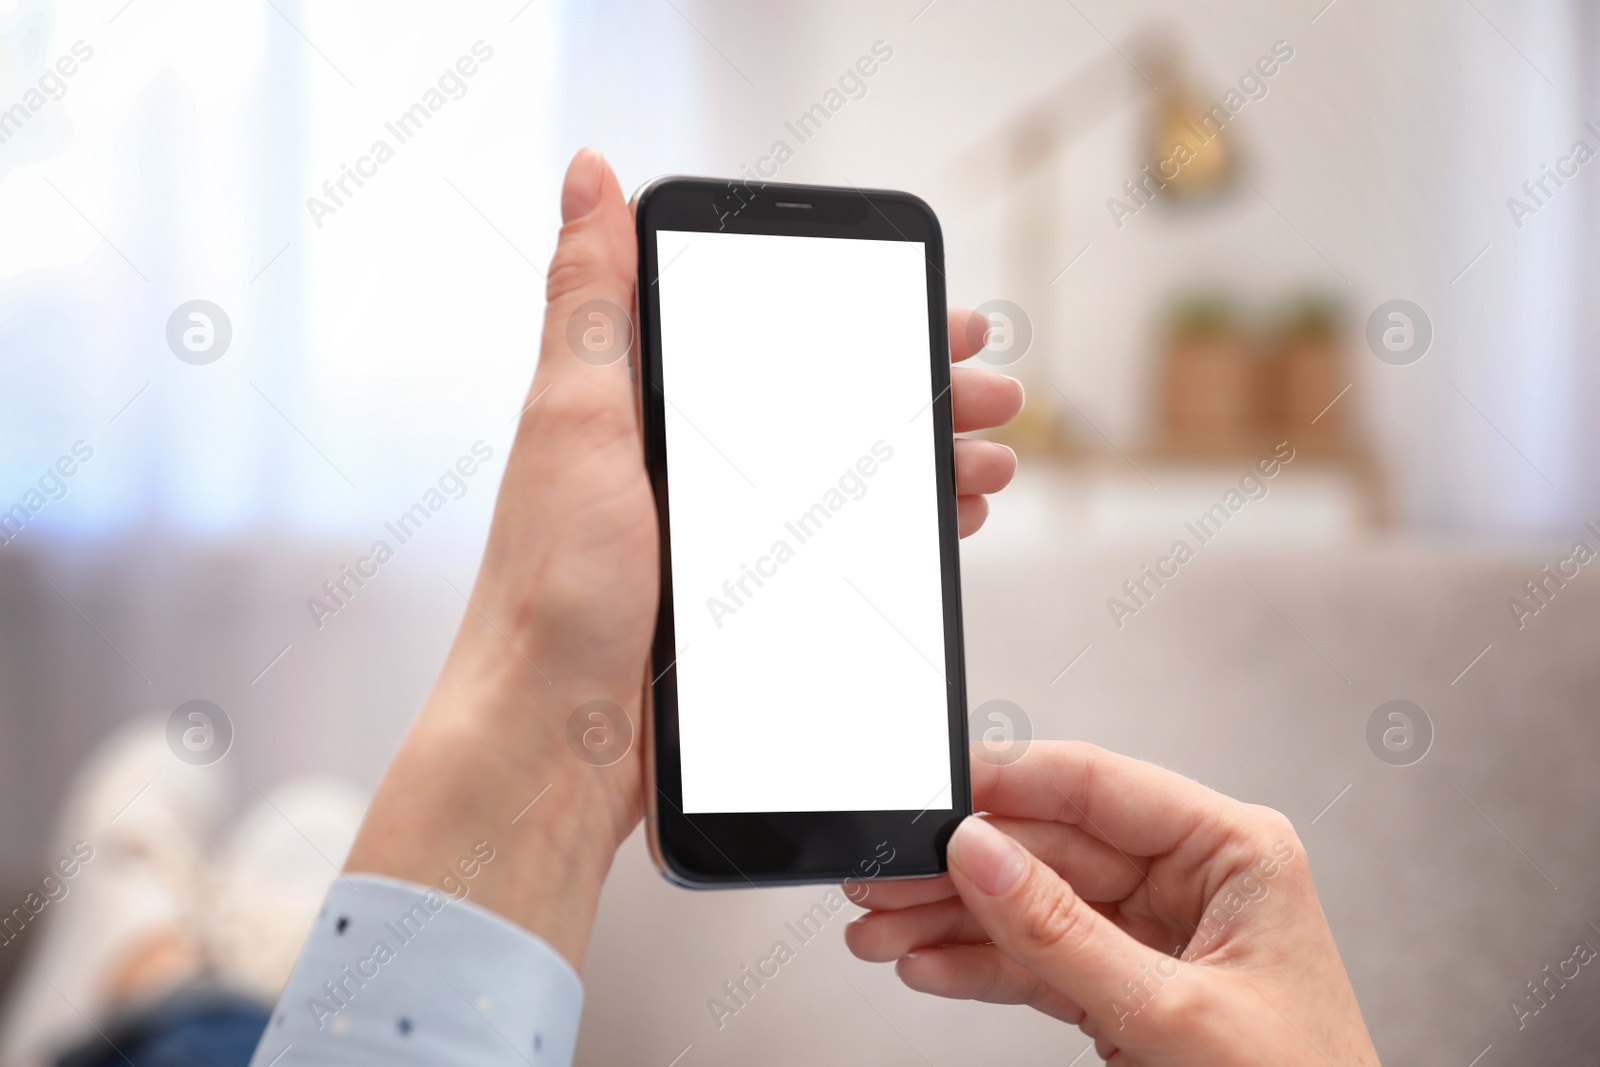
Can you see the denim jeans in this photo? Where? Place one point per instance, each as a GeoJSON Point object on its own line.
{"type": "Point", "coordinates": [193, 1028]}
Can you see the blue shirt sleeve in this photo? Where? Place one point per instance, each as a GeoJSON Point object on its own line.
{"type": "Point", "coordinates": [396, 973]}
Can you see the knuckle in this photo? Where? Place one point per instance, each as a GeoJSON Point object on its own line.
{"type": "Point", "coordinates": [1273, 821]}
{"type": "Point", "coordinates": [1182, 1006]}
{"type": "Point", "coordinates": [1054, 920]}
{"type": "Point", "coordinates": [571, 421]}
{"type": "Point", "coordinates": [573, 410]}
{"type": "Point", "coordinates": [583, 258]}
{"type": "Point", "coordinates": [981, 977]}
{"type": "Point", "coordinates": [570, 272]}
{"type": "Point", "coordinates": [1276, 829]}
{"type": "Point", "coordinates": [1085, 752]}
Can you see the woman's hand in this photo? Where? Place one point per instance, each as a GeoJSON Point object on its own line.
{"type": "Point", "coordinates": [564, 609]}
{"type": "Point", "coordinates": [1174, 925]}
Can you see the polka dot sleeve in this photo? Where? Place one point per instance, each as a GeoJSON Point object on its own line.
{"type": "Point", "coordinates": [396, 974]}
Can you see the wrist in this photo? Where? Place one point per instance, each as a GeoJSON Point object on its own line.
{"type": "Point", "coordinates": [486, 771]}
{"type": "Point", "coordinates": [524, 724]}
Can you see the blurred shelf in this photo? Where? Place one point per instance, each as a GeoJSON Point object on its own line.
{"type": "Point", "coordinates": [1146, 497]}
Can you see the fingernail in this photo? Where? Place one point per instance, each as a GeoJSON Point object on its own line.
{"type": "Point", "coordinates": [988, 857]}
{"type": "Point", "coordinates": [581, 190]}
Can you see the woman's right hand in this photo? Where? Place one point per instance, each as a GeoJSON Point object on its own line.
{"type": "Point", "coordinates": [1174, 925]}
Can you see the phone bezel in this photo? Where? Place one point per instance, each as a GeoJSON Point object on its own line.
{"type": "Point", "coordinates": [784, 848]}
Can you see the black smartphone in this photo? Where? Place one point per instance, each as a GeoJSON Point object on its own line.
{"type": "Point", "coordinates": [808, 719]}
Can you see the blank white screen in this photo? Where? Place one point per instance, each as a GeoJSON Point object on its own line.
{"type": "Point", "coordinates": [797, 383]}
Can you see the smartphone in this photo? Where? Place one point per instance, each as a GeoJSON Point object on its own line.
{"type": "Point", "coordinates": [808, 714]}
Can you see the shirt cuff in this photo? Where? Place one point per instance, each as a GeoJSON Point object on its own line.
{"type": "Point", "coordinates": [396, 973]}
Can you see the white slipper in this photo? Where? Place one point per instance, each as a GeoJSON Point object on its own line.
{"type": "Point", "coordinates": [270, 879]}
{"type": "Point", "coordinates": [132, 834]}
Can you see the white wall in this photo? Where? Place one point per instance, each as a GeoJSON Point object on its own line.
{"type": "Point", "coordinates": [1390, 143]}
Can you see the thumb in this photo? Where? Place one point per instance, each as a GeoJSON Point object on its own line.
{"type": "Point", "coordinates": [1038, 920]}
{"type": "Point", "coordinates": [589, 290]}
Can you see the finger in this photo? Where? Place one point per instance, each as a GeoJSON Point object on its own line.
{"type": "Point", "coordinates": [906, 893]}
{"type": "Point", "coordinates": [967, 331]}
{"type": "Point", "coordinates": [982, 398]}
{"type": "Point", "coordinates": [1136, 807]}
{"type": "Point", "coordinates": [1040, 921]}
{"type": "Point", "coordinates": [1095, 869]}
{"type": "Point", "coordinates": [983, 466]}
{"type": "Point", "coordinates": [971, 511]}
{"type": "Point", "coordinates": [983, 972]}
{"type": "Point", "coordinates": [879, 937]}
{"type": "Point", "coordinates": [588, 328]}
